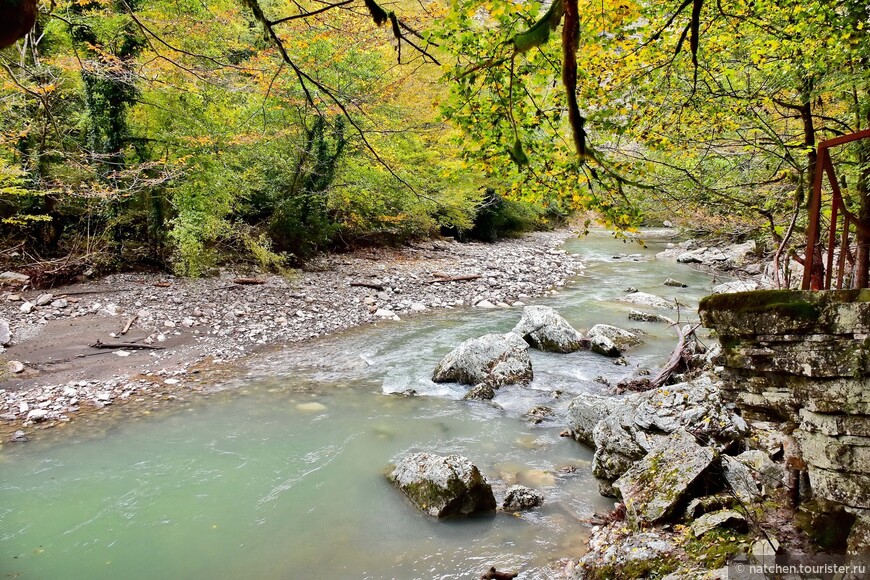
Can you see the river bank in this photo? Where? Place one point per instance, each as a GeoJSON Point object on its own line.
{"type": "Point", "coordinates": [181, 335]}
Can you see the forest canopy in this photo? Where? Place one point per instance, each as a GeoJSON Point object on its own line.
{"type": "Point", "coordinates": [182, 134]}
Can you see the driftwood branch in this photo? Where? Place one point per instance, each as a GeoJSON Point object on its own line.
{"type": "Point", "coordinates": [249, 281]}
{"type": "Point", "coordinates": [129, 324]}
{"type": "Point", "coordinates": [678, 357]}
{"type": "Point", "coordinates": [377, 287]}
{"type": "Point", "coordinates": [130, 345]}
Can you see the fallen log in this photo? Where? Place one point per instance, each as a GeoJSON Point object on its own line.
{"type": "Point", "coordinates": [130, 345]}
{"type": "Point", "coordinates": [453, 278]}
{"type": "Point", "coordinates": [377, 287]}
{"type": "Point", "coordinates": [249, 281]}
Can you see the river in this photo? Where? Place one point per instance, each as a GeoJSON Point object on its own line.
{"type": "Point", "coordinates": [281, 475]}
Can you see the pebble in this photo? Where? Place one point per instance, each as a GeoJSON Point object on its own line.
{"type": "Point", "coordinates": [15, 367]}
{"type": "Point", "coordinates": [43, 299]}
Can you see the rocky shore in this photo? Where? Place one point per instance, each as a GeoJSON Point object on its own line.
{"type": "Point", "coordinates": [147, 339]}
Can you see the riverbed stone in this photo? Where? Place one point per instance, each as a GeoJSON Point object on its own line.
{"type": "Point", "coordinates": [620, 338]}
{"type": "Point", "coordinates": [495, 359]}
{"type": "Point", "coordinates": [44, 299]}
{"type": "Point", "coordinates": [543, 328]}
{"type": "Point", "coordinates": [13, 278]}
{"type": "Point", "coordinates": [443, 486]}
{"type": "Point", "coordinates": [520, 497]}
{"type": "Point", "coordinates": [645, 299]}
{"type": "Point", "coordinates": [653, 487]}
{"type": "Point", "coordinates": [5, 333]}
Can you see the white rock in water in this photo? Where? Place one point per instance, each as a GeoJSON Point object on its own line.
{"type": "Point", "coordinates": [15, 367]}
{"type": "Point", "coordinates": [26, 308]}
{"type": "Point", "coordinates": [311, 407]}
{"type": "Point", "coordinates": [44, 299]}
{"type": "Point", "coordinates": [485, 304]}
{"type": "Point", "coordinates": [37, 415]}
{"type": "Point", "coordinates": [644, 299]}
{"type": "Point", "coordinates": [418, 307]}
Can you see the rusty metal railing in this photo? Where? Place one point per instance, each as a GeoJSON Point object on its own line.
{"type": "Point", "coordinates": [819, 254]}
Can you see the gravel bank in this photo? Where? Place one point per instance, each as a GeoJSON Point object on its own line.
{"type": "Point", "coordinates": [182, 333]}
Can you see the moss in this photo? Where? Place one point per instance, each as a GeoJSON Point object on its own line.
{"type": "Point", "coordinates": [716, 547]}
{"type": "Point", "coordinates": [825, 523]}
{"type": "Point", "coordinates": [790, 303]}
{"type": "Point", "coordinates": [653, 568]}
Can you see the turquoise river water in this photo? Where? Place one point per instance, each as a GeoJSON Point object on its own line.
{"type": "Point", "coordinates": [282, 474]}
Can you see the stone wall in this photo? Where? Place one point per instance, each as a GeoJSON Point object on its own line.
{"type": "Point", "coordinates": [803, 358]}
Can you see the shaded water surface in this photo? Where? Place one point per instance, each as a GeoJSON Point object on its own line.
{"type": "Point", "coordinates": [282, 476]}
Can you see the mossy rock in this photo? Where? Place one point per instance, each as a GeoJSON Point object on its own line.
{"type": "Point", "coordinates": [775, 312]}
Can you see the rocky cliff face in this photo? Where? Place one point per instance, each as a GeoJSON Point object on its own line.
{"type": "Point", "coordinates": [803, 359]}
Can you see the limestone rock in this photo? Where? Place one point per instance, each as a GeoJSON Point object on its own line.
{"type": "Point", "coordinates": [543, 328]}
{"type": "Point", "coordinates": [713, 520]}
{"type": "Point", "coordinates": [858, 542]}
{"type": "Point", "coordinates": [631, 426]}
{"type": "Point", "coordinates": [740, 480]}
{"type": "Point", "coordinates": [520, 497]}
{"type": "Point", "coordinates": [443, 486]}
{"type": "Point", "coordinates": [653, 487]}
{"type": "Point", "coordinates": [644, 299]}
{"type": "Point", "coordinates": [495, 359]}
{"type": "Point", "coordinates": [584, 413]}
{"type": "Point", "coordinates": [613, 553]}
{"type": "Point", "coordinates": [675, 283]}
{"type": "Point", "coordinates": [764, 469]}
{"type": "Point", "coordinates": [622, 339]}
{"type": "Point", "coordinates": [480, 392]}
{"type": "Point", "coordinates": [604, 346]}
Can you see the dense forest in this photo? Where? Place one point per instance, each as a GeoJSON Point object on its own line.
{"type": "Point", "coordinates": [180, 135]}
